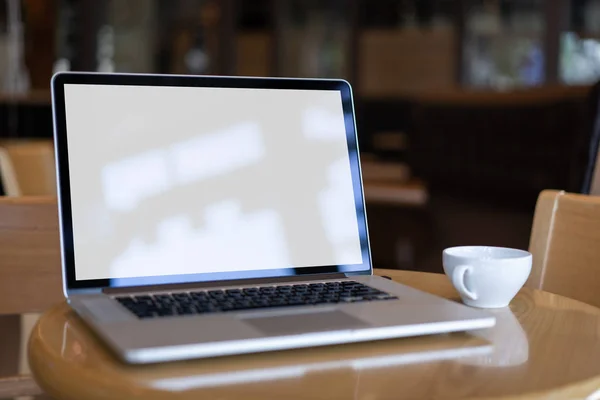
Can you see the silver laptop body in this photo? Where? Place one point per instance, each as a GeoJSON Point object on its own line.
{"type": "Point", "coordinates": [210, 216]}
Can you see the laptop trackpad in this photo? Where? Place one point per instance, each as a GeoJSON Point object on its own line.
{"type": "Point", "coordinates": [306, 322]}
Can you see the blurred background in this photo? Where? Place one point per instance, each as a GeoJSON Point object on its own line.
{"type": "Point", "coordinates": [466, 109]}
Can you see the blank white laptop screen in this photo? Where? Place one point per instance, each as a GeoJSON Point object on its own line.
{"type": "Point", "coordinates": [184, 180]}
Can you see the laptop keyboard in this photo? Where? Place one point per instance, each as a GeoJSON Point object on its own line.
{"type": "Point", "coordinates": [211, 301]}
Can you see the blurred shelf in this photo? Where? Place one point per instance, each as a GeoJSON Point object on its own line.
{"type": "Point", "coordinates": [411, 194]}
{"type": "Point", "coordinates": [390, 141]}
{"type": "Point", "coordinates": [384, 70]}
{"type": "Point", "coordinates": [508, 34]}
{"type": "Point", "coordinates": [587, 34]}
{"type": "Point", "coordinates": [384, 171]}
{"type": "Point", "coordinates": [37, 97]}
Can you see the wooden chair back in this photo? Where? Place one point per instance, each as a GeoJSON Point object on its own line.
{"type": "Point", "coordinates": [10, 184]}
{"type": "Point", "coordinates": [30, 271]}
{"type": "Point", "coordinates": [30, 279]}
{"type": "Point", "coordinates": [565, 243]}
{"type": "Point", "coordinates": [28, 167]}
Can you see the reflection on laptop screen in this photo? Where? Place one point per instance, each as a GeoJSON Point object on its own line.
{"type": "Point", "coordinates": [182, 180]}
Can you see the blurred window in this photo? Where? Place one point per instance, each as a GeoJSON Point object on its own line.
{"type": "Point", "coordinates": [314, 38]}
{"type": "Point", "coordinates": [580, 44]}
{"type": "Point", "coordinates": [503, 44]}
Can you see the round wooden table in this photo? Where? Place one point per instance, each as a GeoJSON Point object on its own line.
{"type": "Point", "coordinates": [543, 346]}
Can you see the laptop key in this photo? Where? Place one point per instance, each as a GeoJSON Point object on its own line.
{"type": "Point", "coordinates": [165, 312]}
{"type": "Point", "coordinates": [211, 309]}
{"type": "Point", "coordinates": [125, 300]}
{"type": "Point", "coordinates": [185, 311]}
{"type": "Point", "coordinates": [386, 297]}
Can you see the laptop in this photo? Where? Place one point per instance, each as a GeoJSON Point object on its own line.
{"type": "Point", "coordinates": [210, 216]}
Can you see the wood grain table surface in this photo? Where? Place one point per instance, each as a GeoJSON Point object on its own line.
{"type": "Point", "coordinates": [543, 346]}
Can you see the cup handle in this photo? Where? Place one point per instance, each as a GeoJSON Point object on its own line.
{"type": "Point", "coordinates": [458, 280]}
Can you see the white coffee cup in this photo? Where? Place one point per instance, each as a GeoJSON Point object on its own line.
{"type": "Point", "coordinates": [485, 276]}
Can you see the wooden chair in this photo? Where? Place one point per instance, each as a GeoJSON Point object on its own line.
{"type": "Point", "coordinates": [30, 279]}
{"type": "Point", "coordinates": [565, 243]}
{"type": "Point", "coordinates": [8, 176]}
{"type": "Point", "coordinates": [27, 168]}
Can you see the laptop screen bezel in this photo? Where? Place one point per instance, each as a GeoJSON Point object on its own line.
{"type": "Point", "coordinates": [59, 80]}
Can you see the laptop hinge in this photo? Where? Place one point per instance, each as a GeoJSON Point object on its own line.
{"type": "Point", "coordinates": [211, 284]}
